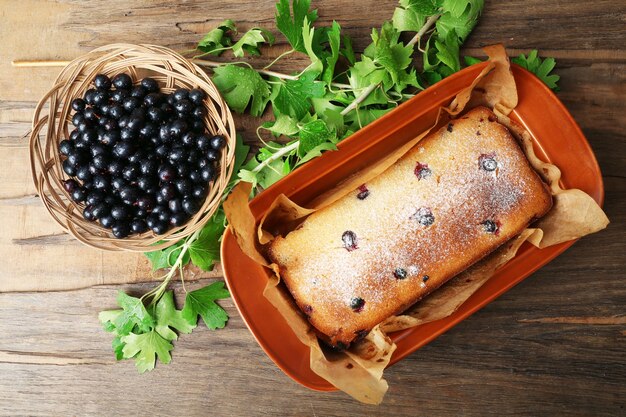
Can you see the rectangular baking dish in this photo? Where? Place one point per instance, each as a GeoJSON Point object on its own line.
{"type": "Point", "coordinates": [557, 137]}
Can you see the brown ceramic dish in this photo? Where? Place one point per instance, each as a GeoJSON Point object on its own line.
{"type": "Point", "coordinates": [558, 139]}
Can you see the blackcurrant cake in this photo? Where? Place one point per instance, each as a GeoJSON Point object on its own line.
{"type": "Point", "coordinates": [454, 198]}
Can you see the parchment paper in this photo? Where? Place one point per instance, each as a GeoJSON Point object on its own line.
{"type": "Point", "coordinates": [359, 370]}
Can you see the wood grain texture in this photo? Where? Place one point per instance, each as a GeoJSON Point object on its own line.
{"type": "Point", "coordinates": [554, 345]}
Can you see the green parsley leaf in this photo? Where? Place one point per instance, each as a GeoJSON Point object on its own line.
{"type": "Point", "coordinates": [241, 86]}
{"type": "Point", "coordinates": [384, 61]}
{"type": "Point", "coordinates": [145, 348]}
{"type": "Point", "coordinates": [283, 125]}
{"type": "Point", "coordinates": [412, 14]}
{"type": "Point", "coordinates": [107, 318]}
{"type": "Point", "coordinates": [251, 40]}
{"type": "Point", "coordinates": [470, 60]}
{"type": "Point", "coordinates": [541, 68]}
{"type": "Point", "coordinates": [241, 154]}
{"type": "Point", "coordinates": [217, 40]}
{"type": "Point", "coordinates": [247, 175]}
{"type": "Point", "coordinates": [133, 314]}
{"type": "Point", "coordinates": [347, 51]}
{"type": "Point", "coordinates": [165, 258]}
{"type": "Point", "coordinates": [291, 26]}
{"type": "Point", "coordinates": [330, 113]}
{"type": "Point", "coordinates": [202, 302]}
{"type": "Point", "coordinates": [205, 250]}
{"type": "Point", "coordinates": [362, 117]}
{"type": "Point", "coordinates": [448, 51]}
{"type": "Point", "coordinates": [308, 37]}
{"type": "Point", "coordinates": [293, 98]}
{"type": "Point", "coordinates": [462, 23]}
{"type": "Point", "coordinates": [272, 172]}
{"type": "Point", "coordinates": [317, 151]}
{"type": "Point", "coordinates": [334, 41]}
{"type": "Point", "coordinates": [313, 134]}
{"type": "Point", "coordinates": [167, 316]}
{"type": "Point", "coordinates": [118, 348]}
{"type": "Point", "coordinates": [458, 7]}
{"type": "Point", "coordinates": [431, 77]}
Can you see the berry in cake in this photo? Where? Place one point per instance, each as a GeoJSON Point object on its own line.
{"type": "Point", "coordinates": [424, 216]}
{"type": "Point", "coordinates": [491, 226]}
{"type": "Point", "coordinates": [349, 240]}
{"type": "Point", "coordinates": [363, 192]}
{"type": "Point", "coordinates": [488, 162]}
{"type": "Point", "coordinates": [422, 171]}
{"type": "Point", "coordinates": [400, 273]}
{"type": "Point", "coordinates": [357, 304]}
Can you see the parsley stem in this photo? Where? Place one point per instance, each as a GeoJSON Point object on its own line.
{"type": "Point", "coordinates": [277, 155]}
{"type": "Point", "coordinates": [366, 92]}
{"type": "Point", "coordinates": [213, 64]}
{"type": "Point", "coordinates": [158, 292]}
{"type": "Point", "coordinates": [284, 54]}
{"type": "Point", "coordinates": [359, 99]}
{"type": "Point", "coordinates": [211, 52]}
{"type": "Point", "coordinates": [429, 23]}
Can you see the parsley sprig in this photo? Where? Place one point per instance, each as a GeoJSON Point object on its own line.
{"type": "Point", "coordinates": [336, 94]}
{"type": "Point", "coordinates": [542, 68]}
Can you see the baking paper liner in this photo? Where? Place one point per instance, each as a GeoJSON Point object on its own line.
{"type": "Point", "coordinates": [358, 371]}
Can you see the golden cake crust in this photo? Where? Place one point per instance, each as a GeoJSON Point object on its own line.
{"type": "Point", "coordinates": [455, 197]}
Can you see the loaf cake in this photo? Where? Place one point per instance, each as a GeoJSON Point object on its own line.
{"type": "Point", "coordinates": [451, 200]}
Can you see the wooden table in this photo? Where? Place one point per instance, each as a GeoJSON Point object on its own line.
{"type": "Point", "coordinates": [554, 345]}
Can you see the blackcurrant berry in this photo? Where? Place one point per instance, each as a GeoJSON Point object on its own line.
{"type": "Point", "coordinates": [191, 206]}
{"type": "Point", "coordinates": [107, 221]}
{"type": "Point", "coordinates": [102, 81]}
{"type": "Point", "coordinates": [88, 214]}
{"type": "Point", "coordinates": [181, 94]}
{"type": "Point", "coordinates": [184, 106]}
{"type": "Point", "coordinates": [78, 195]}
{"type": "Point", "coordinates": [138, 226]}
{"type": "Point", "coordinates": [218, 142]}
{"type": "Point", "coordinates": [116, 111]}
{"type": "Point", "coordinates": [83, 173]}
{"type": "Point", "coordinates": [197, 96]}
{"type": "Point", "coordinates": [150, 84]}
{"type": "Point", "coordinates": [167, 191]}
{"type": "Point", "coordinates": [159, 227]}
{"type": "Point", "coordinates": [119, 212]}
{"type": "Point", "coordinates": [155, 114]}
{"type": "Point", "coordinates": [89, 95]}
{"type": "Point", "coordinates": [131, 103]}
{"type": "Point", "coordinates": [212, 155]}
{"type": "Point", "coordinates": [78, 104]}
{"type": "Point", "coordinates": [120, 229]}
{"type": "Point", "coordinates": [198, 192]}
{"type": "Point", "coordinates": [178, 154]}
{"type": "Point", "coordinates": [139, 92]}
{"type": "Point", "coordinates": [167, 173]}
{"type": "Point", "coordinates": [65, 147]}
{"type": "Point", "coordinates": [68, 168]}
{"type": "Point", "coordinates": [122, 81]}
{"type": "Point", "coordinates": [100, 182]}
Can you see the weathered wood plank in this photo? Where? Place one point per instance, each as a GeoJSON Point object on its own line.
{"type": "Point", "coordinates": [554, 345]}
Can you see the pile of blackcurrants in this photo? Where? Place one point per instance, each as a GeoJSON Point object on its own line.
{"type": "Point", "coordinates": [141, 159]}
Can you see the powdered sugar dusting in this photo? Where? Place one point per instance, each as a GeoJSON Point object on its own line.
{"type": "Point", "coordinates": [459, 194]}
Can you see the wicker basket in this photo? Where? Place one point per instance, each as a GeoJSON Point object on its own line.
{"type": "Point", "coordinates": [52, 119]}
